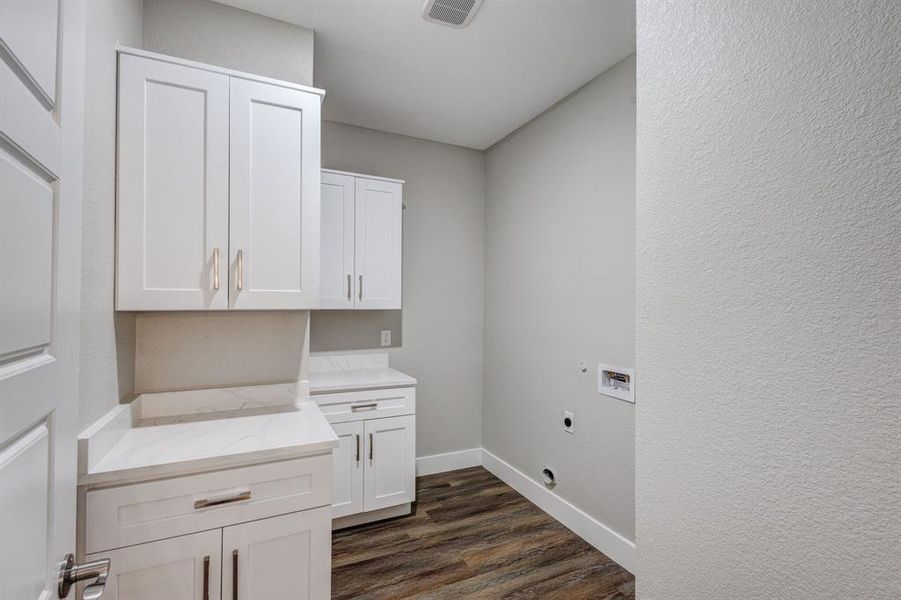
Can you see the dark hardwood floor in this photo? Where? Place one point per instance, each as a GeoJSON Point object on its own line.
{"type": "Point", "coordinates": [472, 536]}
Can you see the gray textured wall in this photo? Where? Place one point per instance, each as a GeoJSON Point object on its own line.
{"type": "Point", "coordinates": [769, 300]}
{"type": "Point", "coordinates": [560, 289]}
{"type": "Point", "coordinates": [220, 35]}
{"type": "Point", "coordinates": [107, 339]}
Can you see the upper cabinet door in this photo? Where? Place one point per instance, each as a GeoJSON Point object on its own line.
{"type": "Point", "coordinates": [274, 197]}
{"type": "Point", "coordinates": [172, 187]}
{"type": "Point", "coordinates": [336, 271]}
{"type": "Point", "coordinates": [378, 223]}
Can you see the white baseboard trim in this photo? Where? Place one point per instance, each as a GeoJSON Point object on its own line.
{"type": "Point", "coordinates": [449, 461]}
{"type": "Point", "coordinates": [582, 524]}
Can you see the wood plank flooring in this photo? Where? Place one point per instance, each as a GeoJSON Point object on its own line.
{"type": "Point", "coordinates": [472, 536]}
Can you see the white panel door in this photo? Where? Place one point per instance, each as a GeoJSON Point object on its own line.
{"type": "Point", "coordinates": [41, 147]}
{"type": "Point", "coordinates": [180, 568]}
{"type": "Point", "coordinates": [172, 187]}
{"type": "Point", "coordinates": [274, 197]}
{"type": "Point", "coordinates": [378, 222]}
{"type": "Point", "coordinates": [28, 28]}
{"type": "Point", "coordinates": [347, 479]}
{"type": "Point", "coordinates": [390, 465]}
{"type": "Point", "coordinates": [336, 260]}
{"type": "Point", "coordinates": [281, 558]}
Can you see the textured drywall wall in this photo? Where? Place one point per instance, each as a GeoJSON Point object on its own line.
{"type": "Point", "coordinates": [213, 33]}
{"type": "Point", "coordinates": [442, 279]}
{"type": "Point", "coordinates": [188, 350]}
{"type": "Point", "coordinates": [107, 339]}
{"type": "Point", "coordinates": [559, 290]}
{"type": "Point", "coordinates": [338, 330]}
{"type": "Point", "coordinates": [769, 300]}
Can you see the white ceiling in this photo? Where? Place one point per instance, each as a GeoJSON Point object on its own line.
{"type": "Point", "coordinates": [386, 68]}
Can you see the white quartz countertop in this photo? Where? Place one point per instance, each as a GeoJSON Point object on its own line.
{"type": "Point", "coordinates": [127, 448]}
{"type": "Point", "coordinates": [358, 379]}
{"type": "Point", "coordinates": [361, 371]}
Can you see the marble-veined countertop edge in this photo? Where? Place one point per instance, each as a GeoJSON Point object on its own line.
{"type": "Point", "coordinates": [177, 433]}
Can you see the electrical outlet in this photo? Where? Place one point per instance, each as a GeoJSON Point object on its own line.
{"type": "Point", "coordinates": [568, 422]}
{"type": "Point", "coordinates": [386, 337]}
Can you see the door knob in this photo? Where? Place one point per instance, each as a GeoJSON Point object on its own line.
{"type": "Point", "coordinates": [71, 573]}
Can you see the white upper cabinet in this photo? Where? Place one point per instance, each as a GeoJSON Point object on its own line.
{"type": "Point", "coordinates": [336, 274]}
{"type": "Point", "coordinates": [173, 187]}
{"type": "Point", "coordinates": [218, 193]}
{"type": "Point", "coordinates": [274, 197]}
{"type": "Point", "coordinates": [377, 222]}
{"type": "Point", "coordinates": [362, 241]}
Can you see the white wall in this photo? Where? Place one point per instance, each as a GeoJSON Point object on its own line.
{"type": "Point", "coordinates": [442, 278]}
{"type": "Point", "coordinates": [559, 289]}
{"type": "Point", "coordinates": [107, 340]}
{"type": "Point", "coordinates": [213, 33]}
{"type": "Point", "coordinates": [769, 300]}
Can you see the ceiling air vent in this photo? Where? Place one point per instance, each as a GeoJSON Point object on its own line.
{"type": "Point", "coordinates": [453, 13]}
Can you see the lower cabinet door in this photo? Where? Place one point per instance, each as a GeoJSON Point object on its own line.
{"type": "Point", "coordinates": [347, 480]}
{"type": "Point", "coordinates": [390, 463]}
{"type": "Point", "coordinates": [180, 568]}
{"type": "Point", "coordinates": [281, 558]}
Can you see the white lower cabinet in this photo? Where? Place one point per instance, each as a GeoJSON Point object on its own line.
{"type": "Point", "coordinates": [261, 532]}
{"type": "Point", "coordinates": [347, 480]}
{"type": "Point", "coordinates": [181, 568]}
{"type": "Point", "coordinates": [279, 558]}
{"type": "Point", "coordinates": [390, 472]}
{"type": "Point", "coordinates": [375, 462]}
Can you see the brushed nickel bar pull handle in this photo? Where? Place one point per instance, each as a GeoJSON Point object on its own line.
{"type": "Point", "coordinates": [206, 502]}
{"type": "Point", "coordinates": [240, 285]}
{"type": "Point", "coordinates": [361, 287]}
{"type": "Point", "coordinates": [216, 269]}
{"type": "Point", "coordinates": [358, 447]}
{"type": "Point", "coordinates": [370, 447]}
{"type": "Point", "coordinates": [206, 577]}
{"type": "Point", "coordinates": [235, 575]}
{"type": "Point", "coordinates": [356, 407]}
{"type": "Point", "coordinates": [349, 297]}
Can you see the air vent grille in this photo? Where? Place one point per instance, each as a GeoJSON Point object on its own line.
{"type": "Point", "coordinates": [453, 13]}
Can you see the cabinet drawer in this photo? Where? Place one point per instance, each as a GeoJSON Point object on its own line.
{"type": "Point", "coordinates": [367, 404]}
{"type": "Point", "coordinates": [133, 514]}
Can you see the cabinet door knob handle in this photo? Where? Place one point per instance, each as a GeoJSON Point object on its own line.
{"type": "Point", "coordinates": [349, 298]}
{"type": "Point", "coordinates": [361, 287]}
{"type": "Point", "coordinates": [216, 269]}
{"type": "Point", "coordinates": [358, 447]}
{"type": "Point", "coordinates": [356, 407]}
{"type": "Point", "coordinates": [240, 269]}
{"type": "Point", "coordinates": [370, 447]}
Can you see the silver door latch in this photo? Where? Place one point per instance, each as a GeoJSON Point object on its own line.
{"type": "Point", "coordinates": [71, 573]}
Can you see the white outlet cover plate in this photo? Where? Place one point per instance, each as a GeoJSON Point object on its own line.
{"type": "Point", "coordinates": [386, 337]}
{"type": "Point", "coordinates": [617, 392]}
